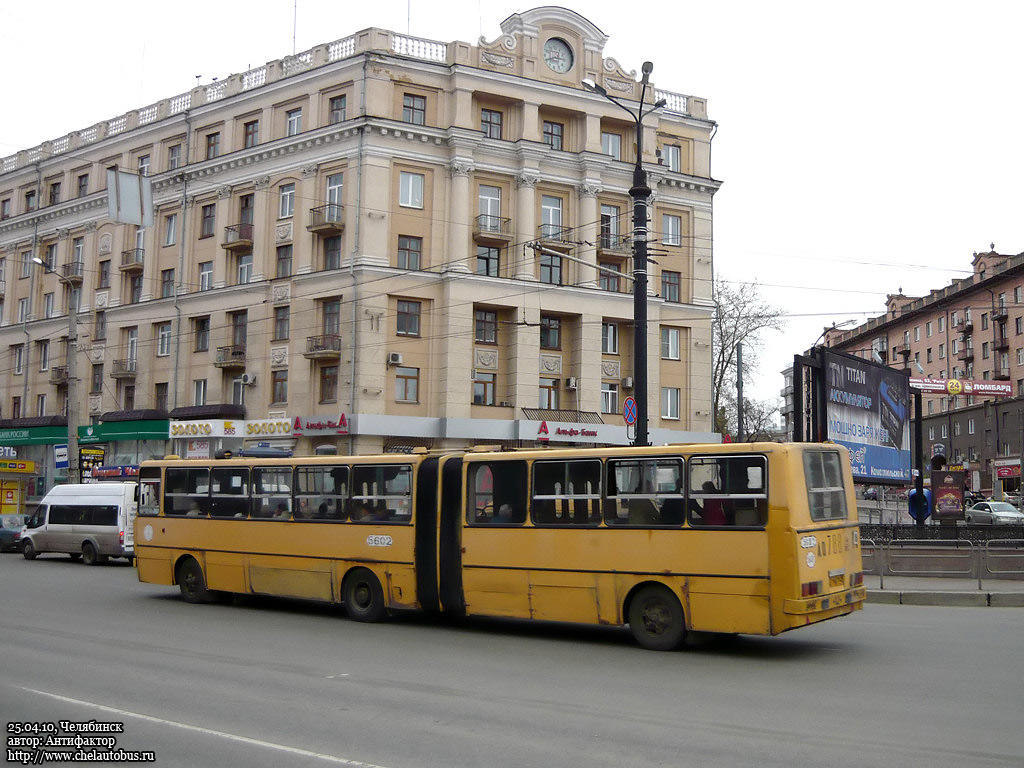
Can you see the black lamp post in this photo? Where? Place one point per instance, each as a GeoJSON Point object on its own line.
{"type": "Point", "coordinates": [641, 194]}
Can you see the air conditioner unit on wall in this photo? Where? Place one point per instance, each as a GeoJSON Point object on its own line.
{"type": "Point", "coordinates": [627, 383]}
{"type": "Point", "coordinates": [394, 358]}
{"type": "Point", "coordinates": [571, 383]}
{"type": "Point", "coordinates": [248, 379]}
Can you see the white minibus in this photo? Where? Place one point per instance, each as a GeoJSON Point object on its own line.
{"type": "Point", "coordinates": [92, 521]}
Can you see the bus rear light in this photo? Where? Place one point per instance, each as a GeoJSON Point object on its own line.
{"type": "Point", "coordinates": [120, 538]}
{"type": "Point", "coordinates": [857, 579]}
{"type": "Point", "coordinates": [807, 589]}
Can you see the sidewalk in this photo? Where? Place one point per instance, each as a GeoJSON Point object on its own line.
{"type": "Point", "coordinates": [934, 590]}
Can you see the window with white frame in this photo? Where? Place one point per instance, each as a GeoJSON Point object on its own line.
{"type": "Point", "coordinates": [18, 352]}
{"type": "Point", "coordinates": [286, 201]}
{"type": "Point", "coordinates": [44, 355]}
{"type": "Point", "coordinates": [671, 229]}
{"type": "Point", "coordinates": [205, 275]}
{"type": "Point", "coordinates": [669, 343]}
{"type": "Point", "coordinates": [335, 187]}
{"type": "Point", "coordinates": [551, 216]}
{"type": "Point", "coordinates": [293, 122]}
{"type": "Point", "coordinates": [410, 189]}
{"type": "Point", "coordinates": [609, 397]}
{"type": "Point", "coordinates": [244, 268]}
{"type": "Point", "coordinates": [672, 156]}
{"type": "Point", "coordinates": [48, 305]}
{"type": "Point", "coordinates": [611, 144]}
{"type": "Point", "coordinates": [670, 402]}
{"type": "Point", "coordinates": [199, 392]}
{"type": "Point", "coordinates": [170, 229]}
{"type": "Point", "coordinates": [609, 338]}
{"type": "Point", "coordinates": [163, 339]}
{"type": "Point", "coordinates": [489, 208]}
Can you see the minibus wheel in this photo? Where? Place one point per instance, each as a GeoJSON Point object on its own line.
{"type": "Point", "coordinates": [89, 555]}
{"type": "Point", "coordinates": [362, 596]}
{"type": "Point", "coordinates": [28, 549]}
{"type": "Point", "coordinates": [191, 582]}
{"type": "Point", "coordinates": [656, 618]}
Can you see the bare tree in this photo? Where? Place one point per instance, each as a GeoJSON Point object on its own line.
{"type": "Point", "coordinates": [741, 315]}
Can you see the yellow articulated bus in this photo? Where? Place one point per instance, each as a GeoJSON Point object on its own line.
{"type": "Point", "coordinates": [756, 539]}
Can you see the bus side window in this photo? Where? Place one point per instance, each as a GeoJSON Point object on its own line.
{"type": "Point", "coordinates": [496, 493]}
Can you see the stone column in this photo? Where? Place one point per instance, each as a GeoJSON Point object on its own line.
{"type": "Point", "coordinates": [522, 258]}
{"type": "Point", "coordinates": [589, 228]}
{"type": "Point", "coordinates": [456, 257]}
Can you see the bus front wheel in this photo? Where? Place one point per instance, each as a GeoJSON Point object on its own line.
{"type": "Point", "coordinates": [656, 619]}
{"type": "Point", "coordinates": [362, 596]}
{"type": "Point", "coordinates": [191, 582]}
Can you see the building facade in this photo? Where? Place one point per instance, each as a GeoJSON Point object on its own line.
{"type": "Point", "coordinates": [380, 243]}
{"type": "Point", "coordinates": [970, 330]}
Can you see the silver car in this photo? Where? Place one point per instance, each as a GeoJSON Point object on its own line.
{"type": "Point", "coordinates": [994, 513]}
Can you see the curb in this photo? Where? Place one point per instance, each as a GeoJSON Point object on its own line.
{"type": "Point", "coordinates": [951, 599]}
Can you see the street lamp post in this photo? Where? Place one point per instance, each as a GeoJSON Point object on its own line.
{"type": "Point", "coordinates": [72, 371]}
{"type": "Point", "coordinates": [641, 194]}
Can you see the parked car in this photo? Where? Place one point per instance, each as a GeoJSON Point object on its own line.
{"type": "Point", "coordinates": [871, 492]}
{"type": "Point", "coordinates": [10, 532]}
{"type": "Point", "coordinates": [994, 513]}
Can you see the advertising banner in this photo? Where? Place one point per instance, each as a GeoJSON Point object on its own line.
{"type": "Point", "coordinates": [948, 493]}
{"type": "Point", "coordinates": [868, 410]}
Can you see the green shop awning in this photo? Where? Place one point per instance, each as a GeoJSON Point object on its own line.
{"type": "Point", "coordinates": [113, 431]}
{"type": "Point", "coordinates": [50, 435]}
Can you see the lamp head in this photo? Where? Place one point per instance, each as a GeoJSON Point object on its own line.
{"type": "Point", "coordinates": [660, 103]}
{"type": "Point", "coordinates": [590, 85]}
{"type": "Point", "coordinates": [39, 261]}
{"type": "Point", "coordinates": [647, 68]}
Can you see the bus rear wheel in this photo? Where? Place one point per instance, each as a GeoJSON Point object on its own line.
{"type": "Point", "coordinates": [191, 582]}
{"type": "Point", "coordinates": [362, 596]}
{"type": "Point", "coordinates": [656, 619]}
{"type": "Point", "coordinates": [89, 554]}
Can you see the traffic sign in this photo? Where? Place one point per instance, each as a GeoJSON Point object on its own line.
{"type": "Point", "coordinates": [629, 410]}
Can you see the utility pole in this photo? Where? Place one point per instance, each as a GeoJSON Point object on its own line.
{"type": "Point", "coordinates": [740, 437]}
{"type": "Point", "coordinates": [641, 194]}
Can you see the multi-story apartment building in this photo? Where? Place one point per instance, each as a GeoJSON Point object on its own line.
{"type": "Point", "coordinates": [379, 243]}
{"type": "Point", "coordinates": [971, 330]}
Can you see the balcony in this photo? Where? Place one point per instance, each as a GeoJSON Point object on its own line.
{"type": "Point", "coordinates": [132, 260]}
{"type": "Point", "coordinates": [999, 312]}
{"type": "Point", "coordinates": [327, 220]}
{"type": "Point", "coordinates": [966, 354]}
{"type": "Point", "coordinates": [619, 245]}
{"type": "Point", "coordinates": [556, 236]}
{"type": "Point", "coordinates": [124, 369]}
{"type": "Point", "coordinates": [326, 347]}
{"type": "Point", "coordinates": [238, 237]}
{"type": "Point", "coordinates": [1001, 343]}
{"type": "Point", "coordinates": [59, 375]}
{"type": "Point", "coordinates": [231, 357]}
{"type": "Point", "coordinates": [1001, 374]}
{"type": "Point", "coordinates": [492, 230]}
{"type": "Point", "coordinates": [73, 272]}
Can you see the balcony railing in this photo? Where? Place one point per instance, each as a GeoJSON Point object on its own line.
{"type": "Point", "coordinates": [1001, 343]}
{"type": "Point", "coordinates": [132, 260]}
{"type": "Point", "coordinates": [1001, 374]}
{"type": "Point", "coordinates": [58, 374]}
{"type": "Point", "coordinates": [124, 369]}
{"type": "Point", "coordinates": [999, 312]}
{"type": "Point", "coordinates": [73, 271]}
{"type": "Point", "coordinates": [232, 356]}
{"type": "Point", "coordinates": [327, 219]}
{"type": "Point", "coordinates": [615, 243]}
{"type": "Point", "coordinates": [487, 228]}
{"type": "Point", "coordinates": [966, 354]}
{"type": "Point", "coordinates": [555, 233]}
{"type": "Point", "coordinates": [238, 237]}
{"type": "Point", "coordinates": [324, 347]}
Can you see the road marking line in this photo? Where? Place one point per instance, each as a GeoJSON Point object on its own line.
{"type": "Point", "coordinates": [207, 731]}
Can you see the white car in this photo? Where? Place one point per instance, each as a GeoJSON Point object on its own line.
{"type": "Point", "coordinates": [994, 513]}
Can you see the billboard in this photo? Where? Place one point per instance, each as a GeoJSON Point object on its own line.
{"type": "Point", "coordinates": [867, 409]}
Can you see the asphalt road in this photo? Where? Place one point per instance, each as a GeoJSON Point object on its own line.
{"type": "Point", "coordinates": [281, 683]}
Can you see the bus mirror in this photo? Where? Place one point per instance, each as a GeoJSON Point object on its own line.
{"type": "Point", "coordinates": [755, 479]}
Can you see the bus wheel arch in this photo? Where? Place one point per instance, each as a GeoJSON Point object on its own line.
{"type": "Point", "coordinates": [188, 574]}
{"type": "Point", "coordinates": [363, 596]}
{"type": "Point", "coordinates": [656, 617]}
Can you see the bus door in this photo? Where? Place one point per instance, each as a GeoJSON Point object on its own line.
{"type": "Point", "coordinates": [449, 537]}
{"type": "Point", "coordinates": [426, 534]}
